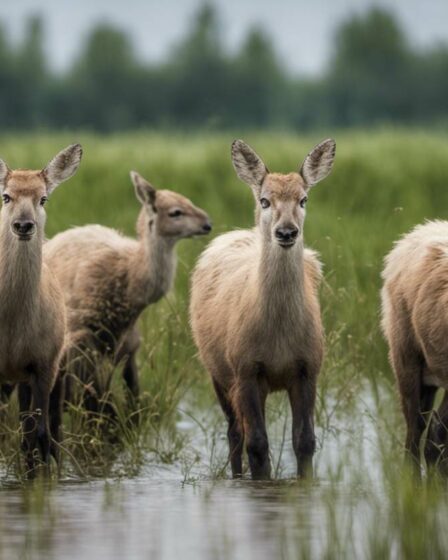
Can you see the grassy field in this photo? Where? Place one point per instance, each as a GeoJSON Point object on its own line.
{"type": "Point", "coordinates": [382, 184]}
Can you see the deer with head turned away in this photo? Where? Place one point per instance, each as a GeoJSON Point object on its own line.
{"type": "Point", "coordinates": [32, 311]}
{"type": "Point", "coordinates": [109, 279]}
{"type": "Point", "coordinates": [255, 311]}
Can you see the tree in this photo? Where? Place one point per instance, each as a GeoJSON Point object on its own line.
{"type": "Point", "coordinates": [198, 73]}
{"type": "Point", "coordinates": [259, 83]}
{"type": "Point", "coordinates": [102, 82]}
{"type": "Point", "coordinates": [370, 71]}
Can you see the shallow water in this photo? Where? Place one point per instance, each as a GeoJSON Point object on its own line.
{"type": "Point", "coordinates": [159, 518]}
{"type": "Point", "coordinates": [172, 511]}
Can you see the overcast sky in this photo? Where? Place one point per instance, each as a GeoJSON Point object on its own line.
{"type": "Point", "coordinates": [302, 29]}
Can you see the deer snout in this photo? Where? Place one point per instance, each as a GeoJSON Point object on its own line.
{"type": "Point", "coordinates": [207, 227]}
{"type": "Point", "coordinates": [24, 228]}
{"type": "Point", "coordinates": [286, 235]}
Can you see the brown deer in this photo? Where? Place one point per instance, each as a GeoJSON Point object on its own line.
{"type": "Point", "coordinates": [255, 310]}
{"type": "Point", "coordinates": [109, 279]}
{"type": "Point", "coordinates": [415, 324]}
{"type": "Point", "coordinates": [32, 313]}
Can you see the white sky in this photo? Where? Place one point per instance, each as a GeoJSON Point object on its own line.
{"type": "Point", "coordinates": [302, 30]}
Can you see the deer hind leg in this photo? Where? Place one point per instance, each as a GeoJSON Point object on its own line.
{"type": "Point", "coordinates": [437, 440]}
{"type": "Point", "coordinates": [128, 352]}
{"type": "Point", "coordinates": [250, 399]}
{"type": "Point", "coordinates": [416, 398]}
{"type": "Point", "coordinates": [235, 432]}
{"type": "Point", "coordinates": [302, 398]}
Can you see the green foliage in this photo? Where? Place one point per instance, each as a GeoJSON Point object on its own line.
{"type": "Point", "coordinates": [374, 75]}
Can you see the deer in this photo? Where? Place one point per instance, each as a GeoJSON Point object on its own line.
{"type": "Point", "coordinates": [109, 279]}
{"type": "Point", "coordinates": [32, 311]}
{"type": "Point", "coordinates": [255, 313]}
{"type": "Point", "coordinates": [415, 326]}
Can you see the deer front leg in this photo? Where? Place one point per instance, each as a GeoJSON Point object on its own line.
{"type": "Point", "coordinates": [302, 397]}
{"type": "Point", "coordinates": [41, 404]}
{"type": "Point", "coordinates": [250, 406]}
{"type": "Point", "coordinates": [28, 423]}
{"type": "Point", "coordinates": [235, 433]}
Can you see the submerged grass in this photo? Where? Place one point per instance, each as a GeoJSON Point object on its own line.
{"type": "Point", "coordinates": [383, 183]}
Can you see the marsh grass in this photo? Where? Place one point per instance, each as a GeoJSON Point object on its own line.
{"type": "Point", "coordinates": [383, 183]}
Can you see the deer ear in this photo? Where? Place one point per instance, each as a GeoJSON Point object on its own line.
{"type": "Point", "coordinates": [318, 162]}
{"type": "Point", "coordinates": [62, 166]}
{"type": "Point", "coordinates": [144, 191]}
{"type": "Point", "coordinates": [248, 165]}
{"type": "Point", "coordinates": [4, 172]}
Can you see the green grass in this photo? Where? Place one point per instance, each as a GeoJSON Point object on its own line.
{"type": "Point", "coordinates": [383, 183]}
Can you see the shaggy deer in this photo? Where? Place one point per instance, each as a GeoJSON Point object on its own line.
{"type": "Point", "coordinates": [32, 313]}
{"type": "Point", "coordinates": [109, 279]}
{"type": "Point", "coordinates": [415, 324]}
{"type": "Point", "coordinates": [255, 310]}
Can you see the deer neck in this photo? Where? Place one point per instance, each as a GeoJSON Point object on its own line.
{"type": "Point", "coordinates": [20, 272]}
{"type": "Point", "coordinates": [281, 282]}
{"type": "Point", "coordinates": [155, 264]}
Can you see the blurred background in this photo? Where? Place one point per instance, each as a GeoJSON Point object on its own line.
{"type": "Point", "coordinates": [113, 65]}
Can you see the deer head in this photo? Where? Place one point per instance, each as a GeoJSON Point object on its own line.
{"type": "Point", "coordinates": [281, 199]}
{"type": "Point", "coordinates": [24, 192]}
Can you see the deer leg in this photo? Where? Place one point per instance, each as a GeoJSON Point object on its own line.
{"type": "Point", "coordinates": [250, 407]}
{"type": "Point", "coordinates": [408, 368]}
{"type": "Point", "coordinates": [435, 448]}
{"type": "Point", "coordinates": [5, 392]}
{"type": "Point", "coordinates": [302, 397]}
{"type": "Point", "coordinates": [130, 376]}
{"type": "Point", "coordinates": [128, 351]}
{"type": "Point", "coordinates": [56, 408]}
{"type": "Point", "coordinates": [41, 404]}
{"type": "Point", "coordinates": [28, 424]}
{"type": "Point", "coordinates": [235, 433]}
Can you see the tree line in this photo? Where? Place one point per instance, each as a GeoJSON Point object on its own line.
{"type": "Point", "coordinates": [373, 76]}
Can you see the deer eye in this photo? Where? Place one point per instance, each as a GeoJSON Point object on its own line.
{"type": "Point", "coordinates": [303, 202]}
{"type": "Point", "coordinates": [6, 198]}
{"type": "Point", "coordinates": [264, 203]}
{"type": "Point", "coordinates": [43, 200]}
{"type": "Point", "coordinates": [175, 213]}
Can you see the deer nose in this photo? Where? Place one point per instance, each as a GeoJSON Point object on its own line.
{"type": "Point", "coordinates": [23, 227]}
{"type": "Point", "coordinates": [286, 233]}
{"type": "Point", "coordinates": [207, 227]}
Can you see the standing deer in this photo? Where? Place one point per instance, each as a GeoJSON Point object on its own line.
{"type": "Point", "coordinates": [415, 324]}
{"type": "Point", "coordinates": [109, 279]}
{"type": "Point", "coordinates": [255, 310]}
{"type": "Point", "coordinates": [32, 313]}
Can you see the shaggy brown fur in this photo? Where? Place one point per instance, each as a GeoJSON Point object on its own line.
{"type": "Point", "coordinates": [32, 314]}
{"type": "Point", "coordinates": [415, 324]}
{"type": "Point", "coordinates": [255, 311]}
{"type": "Point", "coordinates": [109, 279]}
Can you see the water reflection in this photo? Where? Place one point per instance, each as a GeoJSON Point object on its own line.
{"type": "Point", "coordinates": [167, 514]}
{"type": "Point", "coordinates": [156, 519]}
